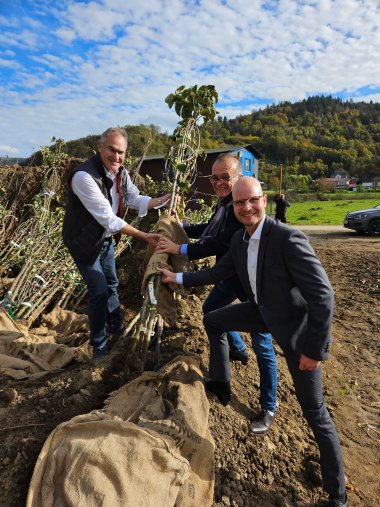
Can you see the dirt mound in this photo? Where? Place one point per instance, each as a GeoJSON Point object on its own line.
{"type": "Point", "coordinates": [279, 469]}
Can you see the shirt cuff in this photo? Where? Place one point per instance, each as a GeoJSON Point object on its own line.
{"type": "Point", "coordinates": [179, 278]}
{"type": "Point", "coordinates": [183, 249]}
{"type": "Point", "coordinates": [143, 207]}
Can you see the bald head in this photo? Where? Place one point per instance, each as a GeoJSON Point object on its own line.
{"type": "Point", "coordinates": [247, 183]}
{"type": "Point", "coordinates": [249, 202]}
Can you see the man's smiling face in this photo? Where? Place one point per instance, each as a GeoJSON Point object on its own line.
{"type": "Point", "coordinates": [249, 202]}
{"type": "Point", "coordinates": [223, 176]}
{"type": "Point", "coordinates": [112, 151]}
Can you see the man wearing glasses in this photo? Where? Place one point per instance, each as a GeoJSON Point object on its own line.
{"type": "Point", "coordinates": [214, 238]}
{"type": "Point", "coordinates": [99, 191]}
{"type": "Point", "coordinates": [289, 294]}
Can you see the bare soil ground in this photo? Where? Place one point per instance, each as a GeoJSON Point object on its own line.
{"type": "Point", "coordinates": [279, 469]}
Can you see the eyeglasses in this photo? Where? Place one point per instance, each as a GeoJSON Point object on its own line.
{"type": "Point", "coordinates": [251, 201]}
{"type": "Point", "coordinates": [114, 151]}
{"type": "Point", "coordinates": [224, 179]}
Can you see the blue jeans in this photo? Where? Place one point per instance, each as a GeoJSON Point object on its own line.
{"type": "Point", "coordinates": [223, 294]}
{"type": "Point", "coordinates": [103, 301]}
{"type": "Point", "coordinates": [266, 361]}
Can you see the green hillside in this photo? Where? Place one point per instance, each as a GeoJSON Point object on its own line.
{"type": "Point", "coordinates": [313, 138]}
{"type": "Point", "coordinates": [316, 137]}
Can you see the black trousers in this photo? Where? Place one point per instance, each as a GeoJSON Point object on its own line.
{"type": "Point", "coordinates": [307, 384]}
{"type": "Point", "coordinates": [281, 217]}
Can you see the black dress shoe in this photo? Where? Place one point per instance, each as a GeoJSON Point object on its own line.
{"type": "Point", "coordinates": [336, 502]}
{"type": "Point", "coordinates": [99, 356]}
{"type": "Point", "coordinates": [114, 331]}
{"type": "Point", "coordinates": [239, 355]}
{"type": "Point", "coordinates": [261, 422]}
{"type": "Point", "coordinates": [222, 390]}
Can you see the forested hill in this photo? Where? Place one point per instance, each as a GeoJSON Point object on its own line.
{"type": "Point", "coordinates": [318, 136]}
{"type": "Point", "coordinates": [315, 137]}
{"type": "Point", "coordinates": [141, 138]}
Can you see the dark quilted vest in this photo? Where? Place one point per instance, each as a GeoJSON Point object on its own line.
{"type": "Point", "coordinates": [81, 233]}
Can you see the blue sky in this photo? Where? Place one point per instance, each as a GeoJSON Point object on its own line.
{"type": "Point", "coordinates": [73, 68]}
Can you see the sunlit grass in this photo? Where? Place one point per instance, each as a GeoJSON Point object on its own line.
{"type": "Point", "coordinates": [325, 212]}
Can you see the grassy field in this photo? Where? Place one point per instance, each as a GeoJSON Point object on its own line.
{"type": "Point", "coordinates": [324, 212]}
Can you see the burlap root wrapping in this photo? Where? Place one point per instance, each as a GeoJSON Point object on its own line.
{"type": "Point", "coordinates": [170, 228]}
{"type": "Point", "coordinates": [150, 447]}
{"type": "Point", "coordinates": [32, 353]}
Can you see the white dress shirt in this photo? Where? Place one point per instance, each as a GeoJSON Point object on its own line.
{"type": "Point", "coordinates": [252, 253]}
{"type": "Point", "coordinates": [90, 195]}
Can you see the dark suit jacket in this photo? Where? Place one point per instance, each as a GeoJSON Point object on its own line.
{"type": "Point", "coordinates": [295, 297]}
{"type": "Point", "coordinates": [217, 244]}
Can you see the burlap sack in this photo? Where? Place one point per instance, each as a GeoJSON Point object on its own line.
{"type": "Point", "coordinates": [68, 325]}
{"type": "Point", "coordinates": [150, 447]}
{"type": "Point", "coordinates": [24, 354]}
{"type": "Point", "coordinates": [170, 228]}
{"type": "Point", "coordinates": [8, 325]}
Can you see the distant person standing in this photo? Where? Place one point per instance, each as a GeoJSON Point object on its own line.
{"type": "Point", "coordinates": [281, 205]}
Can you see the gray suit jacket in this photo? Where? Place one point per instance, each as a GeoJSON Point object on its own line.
{"type": "Point", "coordinates": [295, 297]}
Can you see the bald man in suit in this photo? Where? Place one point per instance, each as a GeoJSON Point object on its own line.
{"type": "Point", "coordinates": [290, 296]}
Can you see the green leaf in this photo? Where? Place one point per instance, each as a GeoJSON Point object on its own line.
{"type": "Point", "coordinates": [170, 100]}
{"type": "Point", "coordinates": [183, 185]}
{"type": "Point", "coordinates": [178, 108]}
{"type": "Point", "coordinates": [181, 168]}
{"type": "Point", "coordinates": [186, 112]}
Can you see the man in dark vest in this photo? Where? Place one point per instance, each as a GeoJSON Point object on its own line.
{"type": "Point", "coordinates": [99, 191]}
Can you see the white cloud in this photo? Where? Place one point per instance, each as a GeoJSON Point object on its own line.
{"type": "Point", "coordinates": [6, 21]}
{"type": "Point", "coordinates": [372, 97]}
{"type": "Point", "coordinates": [9, 151]}
{"type": "Point", "coordinates": [66, 34]}
{"type": "Point", "coordinates": [8, 52]}
{"type": "Point", "coordinates": [101, 63]}
{"type": "Point", "coordinates": [9, 63]}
